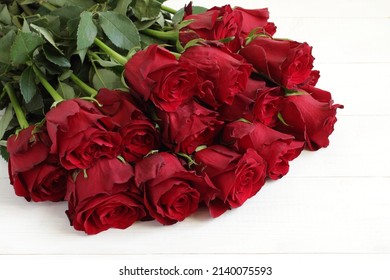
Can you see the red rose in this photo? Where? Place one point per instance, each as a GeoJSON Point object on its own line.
{"type": "Point", "coordinates": [28, 148]}
{"type": "Point", "coordinates": [81, 134]}
{"type": "Point", "coordinates": [238, 177]}
{"type": "Point", "coordinates": [155, 74]}
{"type": "Point", "coordinates": [34, 173]}
{"type": "Point", "coordinates": [139, 137]}
{"type": "Point", "coordinates": [309, 117]}
{"type": "Point", "coordinates": [287, 63]}
{"type": "Point", "coordinates": [242, 105]}
{"type": "Point", "coordinates": [275, 147]}
{"type": "Point", "coordinates": [107, 198]}
{"type": "Point", "coordinates": [119, 106]}
{"type": "Point", "coordinates": [221, 74]}
{"type": "Point", "coordinates": [190, 126]}
{"type": "Point", "coordinates": [224, 22]}
{"type": "Point", "coordinates": [171, 193]}
{"type": "Point", "coordinates": [254, 19]}
{"type": "Point", "coordinates": [266, 106]}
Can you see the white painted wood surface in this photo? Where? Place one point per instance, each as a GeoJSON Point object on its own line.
{"type": "Point", "coordinates": [336, 200]}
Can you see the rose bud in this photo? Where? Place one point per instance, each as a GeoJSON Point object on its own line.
{"type": "Point", "coordinates": [287, 63]}
{"type": "Point", "coordinates": [190, 126]}
{"type": "Point", "coordinates": [275, 147]}
{"type": "Point", "coordinates": [105, 198]}
{"type": "Point", "coordinates": [171, 193]}
{"type": "Point", "coordinates": [34, 173]}
{"type": "Point", "coordinates": [155, 74]}
{"type": "Point", "coordinates": [81, 134]}
{"type": "Point", "coordinates": [310, 117]}
{"type": "Point", "coordinates": [119, 106]}
{"type": "Point", "coordinates": [139, 137]}
{"type": "Point", "coordinates": [221, 74]}
{"type": "Point", "coordinates": [238, 177]}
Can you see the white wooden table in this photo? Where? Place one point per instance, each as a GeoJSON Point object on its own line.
{"type": "Point", "coordinates": [335, 200]}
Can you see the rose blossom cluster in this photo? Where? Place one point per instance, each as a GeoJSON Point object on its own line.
{"type": "Point", "coordinates": [205, 128]}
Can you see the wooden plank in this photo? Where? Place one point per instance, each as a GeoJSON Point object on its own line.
{"type": "Point", "coordinates": [301, 215]}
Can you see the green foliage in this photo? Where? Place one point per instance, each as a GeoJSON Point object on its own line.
{"type": "Point", "coordinates": [86, 31]}
{"type": "Point", "coordinates": [5, 120]}
{"type": "Point", "coordinates": [27, 84]}
{"type": "Point", "coordinates": [105, 78]}
{"type": "Point", "coordinates": [23, 46]}
{"type": "Point", "coordinates": [120, 30]}
{"type": "Point", "coordinates": [146, 9]}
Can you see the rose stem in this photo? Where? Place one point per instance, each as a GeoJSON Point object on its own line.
{"type": "Point", "coordinates": [168, 9]}
{"type": "Point", "coordinates": [86, 88]}
{"type": "Point", "coordinates": [168, 35]}
{"type": "Point", "coordinates": [15, 104]}
{"type": "Point", "coordinates": [56, 96]}
{"type": "Point", "coordinates": [119, 58]}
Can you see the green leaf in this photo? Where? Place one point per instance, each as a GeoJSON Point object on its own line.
{"type": "Point", "coordinates": [5, 120]}
{"type": "Point", "coordinates": [46, 33]}
{"type": "Point", "coordinates": [122, 6]}
{"type": "Point", "coordinates": [55, 57]}
{"type": "Point", "coordinates": [27, 84]}
{"type": "Point", "coordinates": [104, 78]}
{"type": "Point", "coordinates": [35, 105]}
{"type": "Point", "coordinates": [23, 46]}
{"type": "Point", "coordinates": [86, 31]}
{"type": "Point", "coordinates": [25, 27]}
{"type": "Point", "coordinates": [120, 30]}
{"type": "Point", "coordinates": [5, 46]}
{"type": "Point", "coordinates": [84, 4]}
{"type": "Point", "coordinates": [146, 9]}
{"type": "Point", "coordinates": [4, 153]}
{"type": "Point", "coordinates": [178, 17]}
{"type": "Point", "coordinates": [66, 91]}
{"type": "Point", "coordinates": [5, 16]}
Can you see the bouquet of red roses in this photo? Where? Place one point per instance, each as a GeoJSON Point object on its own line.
{"type": "Point", "coordinates": [156, 112]}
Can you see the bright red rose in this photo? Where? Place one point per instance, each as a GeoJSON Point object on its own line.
{"type": "Point", "coordinates": [119, 106]}
{"type": "Point", "coordinates": [81, 134]}
{"type": "Point", "coordinates": [238, 177]}
{"type": "Point", "coordinates": [139, 137]}
{"type": "Point", "coordinates": [275, 147]}
{"type": "Point", "coordinates": [254, 19]}
{"type": "Point", "coordinates": [287, 63]}
{"type": "Point", "coordinates": [107, 198]}
{"type": "Point", "coordinates": [171, 193]}
{"type": "Point", "coordinates": [34, 173]}
{"type": "Point", "coordinates": [309, 117]}
{"type": "Point", "coordinates": [155, 74]}
{"type": "Point", "coordinates": [190, 126]}
{"type": "Point", "coordinates": [266, 106]}
{"type": "Point", "coordinates": [221, 74]}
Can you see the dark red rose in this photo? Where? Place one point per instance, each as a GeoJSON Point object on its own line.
{"type": "Point", "coordinates": [309, 117]}
{"type": "Point", "coordinates": [171, 193]}
{"type": "Point", "coordinates": [221, 74]}
{"type": "Point", "coordinates": [28, 148]}
{"type": "Point", "coordinates": [220, 23]}
{"type": "Point", "coordinates": [242, 105]}
{"type": "Point", "coordinates": [266, 106]}
{"type": "Point", "coordinates": [275, 147]}
{"type": "Point", "coordinates": [155, 74]}
{"type": "Point", "coordinates": [119, 106]}
{"type": "Point", "coordinates": [81, 134]}
{"type": "Point", "coordinates": [238, 177]}
{"type": "Point", "coordinates": [287, 63]}
{"type": "Point", "coordinates": [43, 182]}
{"type": "Point", "coordinates": [190, 126]}
{"type": "Point", "coordinates": [213, 25]}
{"type": "Point", "coordinates": [106, 198]}
{"type": "Point", "coordinates": [34, 173]}
{"type": "Point", "coordinates": [139, 137]}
